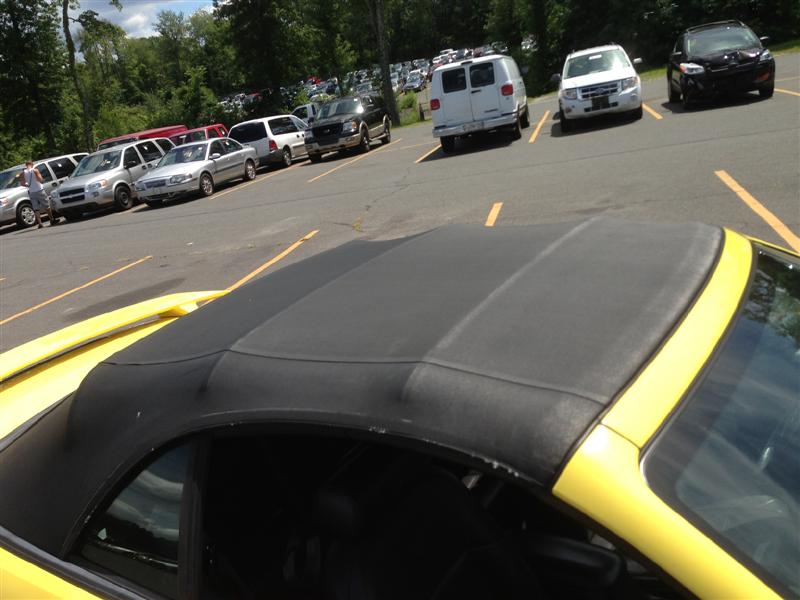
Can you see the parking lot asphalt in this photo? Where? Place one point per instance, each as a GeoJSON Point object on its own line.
{"type": "Point", "coordinates": [735, 163]}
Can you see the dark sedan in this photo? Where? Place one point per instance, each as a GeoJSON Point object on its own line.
{"type": "Point", "coordinates": [718, 59]}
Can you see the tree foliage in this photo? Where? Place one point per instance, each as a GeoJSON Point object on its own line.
{"type": "Point", "coordinates": [116, 84]}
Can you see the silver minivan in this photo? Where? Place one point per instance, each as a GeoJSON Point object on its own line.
{"type": "Point", "coordinates": [277, 140]}
{"type": "Point", "coordinates": [106, 177]}
{"type": "Point", "coordinates": [14, 202]}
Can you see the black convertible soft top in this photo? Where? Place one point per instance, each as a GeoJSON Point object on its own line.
{"type": "Point", "coordinates": [505, 344]}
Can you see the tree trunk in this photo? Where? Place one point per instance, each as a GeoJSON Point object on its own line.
{"type": "Point", "coordinates": [88, 140]}
{"type": "Point", "coordinates": [377, 16]}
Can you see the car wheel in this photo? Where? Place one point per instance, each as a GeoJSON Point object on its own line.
{"type": "Point", "coordinates": [526, 118]}
{"type": "Point", "coordinates": [766, 92]}
{"type": "Point", "coordinates": [448, 144]}
{"type": "Point", "coordinates": [206, 185]}
{"type": "Point", "coordinates": [566, 124]}
{"type": "Point", "coordinates": [516, 130]}
{"type": "Point", "coordinates": [26, 216]}
{"type": "Point", "coordinates": [154, 203]}
{"type": "Point", "coordinates": [249, 170]}
{"type": "Point", "coordinates": [636, 113]}
{"type": "Point", "coordinates": [287, 157]}
{"type": "Point", "coordinates": [387, 137]}
{"type": "Point", "coordinates": [122, 199]}
{"type": "Point", "coordinates": [314, 158]}
{"type": "Point", "coordinates": [364, 145]}
{"type": "Point", "coordinates": [674, 97]}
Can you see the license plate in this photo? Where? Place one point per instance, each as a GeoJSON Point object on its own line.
{"type": "Point", "coordinates": [600, 102]}
{"type": "Point", "coordinates": [472, 127]}
{"type": "Point", "coordinates": [156, 191]}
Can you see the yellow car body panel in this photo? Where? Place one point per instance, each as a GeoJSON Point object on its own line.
{"type": "Point", "coordinates": [604, 480]}
{"type": "Point", "coordinates": [21, 580]}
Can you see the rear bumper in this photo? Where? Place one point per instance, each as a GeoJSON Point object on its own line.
{"type": "Point", "coordinates": [273, 157]}
{"type": "Point", "coordinates": [741, 80]}
{"type": "Point", "coordinates": [624, 101]}
{"type": "Point", "coordinates": [331, 145]}
{"type": "Point", "coordinates": [474, 126]}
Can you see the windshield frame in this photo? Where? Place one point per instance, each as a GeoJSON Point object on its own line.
{"type": "Point", "coordinates": [712, 428]}
{"type": "Point", "coordinates": [88, 159]}
{"type": "Point", "coordinates": [182, 149]}
{"type": "Point", "coordinates": [617, 52]}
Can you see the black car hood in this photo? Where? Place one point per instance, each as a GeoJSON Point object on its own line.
{"type": "Point", "coordinates": [730, 57]}
{"type": "Point", "coordinates": [337, 120]}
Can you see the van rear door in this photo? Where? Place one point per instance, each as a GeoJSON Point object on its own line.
{"type": "Point", "coordinates": [484, 94]}
{"type": "Point", "coordinates": [455, 101]}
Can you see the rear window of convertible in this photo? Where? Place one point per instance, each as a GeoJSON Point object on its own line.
{"type": "Point", "coordinates": [730, 460]}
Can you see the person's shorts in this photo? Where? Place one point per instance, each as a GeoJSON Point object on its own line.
{"type": "Point", "coordinates": [38, 200]}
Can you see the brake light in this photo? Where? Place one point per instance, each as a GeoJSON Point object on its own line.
{"type": "Point", "coordinates": [435, 105]}
{"type": "Point", "coordinates": [272, 146]}
{"type": "Point", "coordinates": [507, 89]}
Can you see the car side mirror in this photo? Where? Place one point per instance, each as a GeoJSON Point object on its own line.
{"type": "Point", "coordinates": [676, 56]}
{"type": "Point", "coordinates": [637, 62]}
{"type": "Point", "coordinates": [215, 156]}
{"type": "Point", "coordinates": [555, 78]}
{"type": "Point", "coordinates": [764, 40]}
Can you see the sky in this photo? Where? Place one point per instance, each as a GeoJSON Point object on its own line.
{"type": "Point", "coordinates": [138, 17]}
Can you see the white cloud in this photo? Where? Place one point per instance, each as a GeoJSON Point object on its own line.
{"type": "Point", "coordinates": [138, 17]}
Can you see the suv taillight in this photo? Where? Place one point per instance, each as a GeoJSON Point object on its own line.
{"type": "Point", "coordinates": [272, 146]}
{"type": "Point", "coordinates": [507, 89]}
{"type": "Point", "coordinates": [435, 105]}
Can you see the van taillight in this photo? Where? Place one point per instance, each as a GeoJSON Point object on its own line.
{"type": "Point", "coordinates": [272, 146]}
{"type": "Point", "coordinates": [507, 89]}
{"type": "Point", "coordinates": [435, 105]}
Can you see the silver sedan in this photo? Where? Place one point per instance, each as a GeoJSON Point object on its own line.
{"type": "Point", "coordinates": [197, 167]}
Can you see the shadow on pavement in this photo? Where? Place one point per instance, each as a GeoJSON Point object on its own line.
{"type": "Point", "coordinates": [718, 103]}
{"type": "Point", "coordinates": [590, 124]}
{"type": "Point", "coordinates": [478, 142]}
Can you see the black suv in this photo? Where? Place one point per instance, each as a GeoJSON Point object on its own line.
{"type": "Point", "coordinates": [350, 122]}
{"type": "Point", "coordinates": [719, 58]}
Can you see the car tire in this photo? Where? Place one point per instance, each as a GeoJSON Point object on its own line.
{"type": "Point", "coordinates": [526, 118]}
{"type": "Point", "coordinates": [767, 91]}
{"type": "Point", "coordinates": [448, 143]}
{"type": "Point", "coordinates": [674, 97]}
{"type": "Point", "coordinates": [516, 130]}
{"type": "Point", "coordinates": [286, 157]}
{"type": "Point", "coordinates": [314, 157]}
{"type": "Point", "coordinates": [387, 136]}
{"type": "Point", "coordinates": [122, 198]}
{"type": "Point", "coordinates": [249, 170]}
{"type": "Point", "coordinates": [154, 203]}
{"type": "Point", "coordinates": [25, 216]}
{"type": "Point", "coordinates": [636, 113]}
{"type": "Point", "coordinates": [364, 146]}
{"type": "Point", "coordinates": [206, 185]}
{"type": "Point", "coordinates": [566, 124]}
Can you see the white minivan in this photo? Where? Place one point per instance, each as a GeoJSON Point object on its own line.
{"type": "Point", "coordinates": [277, 140]}
{"type": "Point", "coordinates": [478, 95]}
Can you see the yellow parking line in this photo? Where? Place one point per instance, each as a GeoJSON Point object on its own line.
{"type": "Point", "coordinates": [73, 290]}
{"type": "Point", "coordinates": [782, 91]}
{"type": "Point", "coordinates": [355, 160]}
{"type": "Point", "coordinates": [539, 126]}
{"type": "Point", "coordinates": [762, 211]}
{"type": "Point", "coordinates": [787, 79]}
{"type": "Point", "coordinates": [427, 154]}
{"type": "Point", "coordinates": [493, 214]}
{"type": "Point", "coordinates": [412, 146]}
{"type": "Point", "coordinates": [651, 112]}
{"type": "Point", "coordinates": [274, 260]}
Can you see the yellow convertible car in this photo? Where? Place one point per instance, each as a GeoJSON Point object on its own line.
{"type": "Point", "coordinates": [592, 410]}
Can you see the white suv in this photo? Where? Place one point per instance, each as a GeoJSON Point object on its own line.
{"type": "Point", "coordinates": [597, 81]}
{"type": "Point", "coordinates": [478, 95]}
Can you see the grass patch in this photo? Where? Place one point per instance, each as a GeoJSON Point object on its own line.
{"type": "Point", "coordinates": [790, 46]}
{"type": "Point", "coordinates": [409, 116]}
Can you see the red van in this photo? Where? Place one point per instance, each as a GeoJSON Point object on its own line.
{"type": "Point", "coordinates": [199, 134]}
{"type": "Point", "coordinates": [142, 135]}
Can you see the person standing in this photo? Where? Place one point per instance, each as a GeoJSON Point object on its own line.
{"type": "Point", "coordinates": [32, 179]}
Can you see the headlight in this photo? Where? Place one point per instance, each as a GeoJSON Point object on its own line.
{"type": "Point", "coordinates": [692, 69]}
{"type": "Point", "coordinates": [630, 82]}
{"type": "Point", "coordinates": [570, 93]}
{"type": "Point", "coordinates": [97, 185]}
{"type": "Point", "coordinates": [179, 178]}
{"type": "Point", "coordinates": [765, 56]}
{"type": "Point", "coordinates": [350, 127]}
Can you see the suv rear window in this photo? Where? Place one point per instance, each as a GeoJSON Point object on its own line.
{"type": "Point", "coordinates": [481, 75]}
{"type": "Point", "coordinates": [454, 80]}
{"type": "Point", "coordinates": [248, 132]}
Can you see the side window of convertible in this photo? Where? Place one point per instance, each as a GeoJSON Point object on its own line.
{"type": "Point", "coordinates": [136, 537]}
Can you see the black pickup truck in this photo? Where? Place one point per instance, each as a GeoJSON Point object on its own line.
{"type": "Point", "coordinates": [350, 122]}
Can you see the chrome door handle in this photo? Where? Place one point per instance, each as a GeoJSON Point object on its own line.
{"type": "Point", "coordinates": [475, 91]}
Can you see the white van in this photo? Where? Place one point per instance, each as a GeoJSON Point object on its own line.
{"type": "Point", "coordinates": [277, 140]}
{"type": "Point", "coordinates": [478, 95]}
